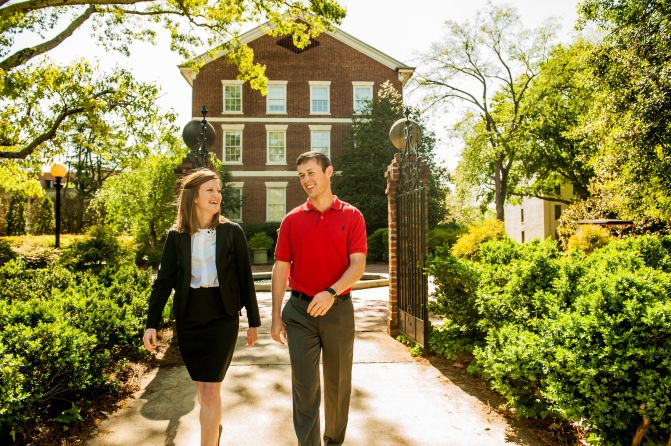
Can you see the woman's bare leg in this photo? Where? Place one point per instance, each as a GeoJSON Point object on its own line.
{"type": "Point", "coordinates": [209, 397]}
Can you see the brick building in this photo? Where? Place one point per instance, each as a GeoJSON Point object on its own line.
{"type": "Point", "coordinates": [312, 95]}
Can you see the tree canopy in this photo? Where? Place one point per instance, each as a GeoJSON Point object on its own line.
{"type": "Point", "coordinates": [487, 65]}
{"type": "Point", "coordinates": [48, 111]}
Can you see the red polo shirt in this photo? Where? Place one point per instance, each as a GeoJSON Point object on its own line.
{"type": "Point", "coordinates": [318, 244]}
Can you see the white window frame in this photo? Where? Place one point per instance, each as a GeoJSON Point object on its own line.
{"type": "Point", "coordinates": [320, 129]}
{"type": "Point", "coordinates": [355, 85]}
{"type": "Point", "coordinates": [239, 186]}
{"type": "Point", "coordinates": [275, 186]}
{"type": "Point", "coordinates": [320, 84]}
{"type": "Point", "coordinates": [276, 129]}
{"type": "Point", "coordinates": [283, 86]}
{"type": "Point", "coordinates": [232, 128]}
{"type": "Point", "coordinates": [231, 83]}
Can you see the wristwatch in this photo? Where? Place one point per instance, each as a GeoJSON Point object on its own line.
{"type": "Point", "coordinates": [332, 291]}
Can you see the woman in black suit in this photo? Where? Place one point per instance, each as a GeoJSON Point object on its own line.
{"type": "Point", "coordinates": [206, 261]}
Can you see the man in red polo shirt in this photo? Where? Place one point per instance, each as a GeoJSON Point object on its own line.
{"type": "Point", "coordinates": [321, 248]}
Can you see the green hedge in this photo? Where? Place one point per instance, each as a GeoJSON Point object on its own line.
{"type": "Point", "coordinates": [378, 245]}
{"type": "Point", "coordinates": [64, 336]}
{"type": "Point", "coordinates": [581, 337]}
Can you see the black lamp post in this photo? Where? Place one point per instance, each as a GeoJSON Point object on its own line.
{"type": "Point", "coordinates": [199, 136]}
{"type": "Point", "coordinates": [58, 171]}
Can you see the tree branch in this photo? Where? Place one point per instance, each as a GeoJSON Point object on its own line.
{"type": "Point", "coordinates": [50, 132]}
{"type": "Point", "coordinates": [24, 55]}
{"type": "Point", "coordinates": [29, 6]}
{"type": "Point", "coordinates": [542, 197]}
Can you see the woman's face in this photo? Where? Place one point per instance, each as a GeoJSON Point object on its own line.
{"type": "Point", "coordinates": [208, 198]}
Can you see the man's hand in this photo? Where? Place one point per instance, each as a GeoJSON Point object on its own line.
{"type": "Point", "coordinates": [278, 330]}
{"type": "Point", "coordinates": [321, 303]}
{"type": "Point", "coordinates": [149, 339]}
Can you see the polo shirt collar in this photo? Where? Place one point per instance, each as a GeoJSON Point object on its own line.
{"type": "Point", "coordinates": [336, 205]}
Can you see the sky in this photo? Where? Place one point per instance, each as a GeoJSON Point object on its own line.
{"type": "Point", "coordinates": [400, 28]}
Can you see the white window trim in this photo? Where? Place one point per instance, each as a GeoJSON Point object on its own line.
{"type": "Point", "coordinates": [229, 82]}
{"type": "Point", "coordinates": [321, 128]}
{"type": "Point", "coordinates": [321, 84]}
{"type": "Point", "coordinates": [238, 185]}
{"type": "Point", "coordinates": [276, 83]}
{"type": "Point", "coordinates": [276, 185]}
{"type": "Point", "coordinates": [356, 84]}
{"type": "Point", "coordinates": [232, 128]}
{"type": "Point", "coordinates": [276, 128]}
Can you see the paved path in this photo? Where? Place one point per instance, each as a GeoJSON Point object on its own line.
{"type": "Point", "coordinates": [396, 400]}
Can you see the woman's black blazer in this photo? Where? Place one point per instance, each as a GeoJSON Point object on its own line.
{"type": "Point", "coordinates": [234, 271]}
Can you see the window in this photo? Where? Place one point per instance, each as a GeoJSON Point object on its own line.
{"type": "Point", "coordinates": [320, 103]}
{"type": "Point", "coordinates": [557, 190]}
{"type": "Point", "coordinates": [276, 144]}
{"type": "Point", "coordinates": [276, 97]}
{"type": "Point", "coordinates": [362, 93]}
{"type": "Point", "coordinates": [522, 236]}
{"type": "Point", "coordinates": [235, 208]}
{"type": "Point", "coordinates": [276, 200]}
{"type": "Point", "coordinates": [557, 211]}
{"type": "Point", "coordinates": [320, 139]}
{"type": "Point", "coordinates": [522, 215]}
{"type": "Point", "coordinates": [232, 150]}
{"type": "Point", "coordinates": [232, 94]}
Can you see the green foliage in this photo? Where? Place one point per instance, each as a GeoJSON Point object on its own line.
{"type": "Point", "coordinates": [378, 245]}
{"type": "Point", "coordinates": [364, 160]}
{"type": "Point", "coordinates": [468, 245]}
{"type": "Point", "coordinates": [6, 252]}
{"type": "Point", "coordinates": [445, 234]}
{"type": "Point", "coordinates": [63, 335]}
{"type": "Point", "coordinates": [43, 220]}
{"type": "Point", "coordinates": [16, 214]}
{"type": "Point", "coordinates": [260, 240]}
{"type": "Point", "coordinates": [456, 283]}
{"type": "Point", "coordinates": [575, 336]}
{"type": "Point", "coordinates": [142, 203]}
{"type": "Point", "coordinates": [589, 238]}
{"type": "Point", "coordinates": [100, 247]}
{"type": "Point", "coordinates": [415, 349]}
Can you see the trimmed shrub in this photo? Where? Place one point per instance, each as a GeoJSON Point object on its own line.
{"type": "Point", "coordinates": [6, 252]}
{"type": "Point", "coordinates": [64, 335]}
{"type": "Point", "coordinates": [378, 245]}
{"type": "Point", "coordinates": [16, 214]}
{"type": "Point", "coordinates": [260, 240]}
{"type": "Point", "coordinates": [270, 229]}
{"type": "Point", "coordinates": [467, 246]}
{"type": "Point", "coordinates": [444, 235]}
{"type": "Point", "coordinates": [589, 238]}
{"type": "Point", "coordinates": [100, 247]}
{"type": "Point", "coordinates": [43, 216]}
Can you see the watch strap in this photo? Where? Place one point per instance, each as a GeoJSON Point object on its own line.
{"type": "Point", "coordinates": [332, 291]}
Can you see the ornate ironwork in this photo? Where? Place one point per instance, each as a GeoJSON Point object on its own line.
{"type": "Point", "coordinates": [199, 136]}
{"type": "Point", "coordinates": [412, 240]}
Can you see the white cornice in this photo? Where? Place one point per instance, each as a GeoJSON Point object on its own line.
{"type": "Point", "coordinates": [279, 120]}
{"type": "Point", "coordinates": [337, 34]}
{"type": "Point", "coordinates": [263, 173]}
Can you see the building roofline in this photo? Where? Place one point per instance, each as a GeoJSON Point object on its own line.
{"type": "Point", "coordinates": [404, 71]}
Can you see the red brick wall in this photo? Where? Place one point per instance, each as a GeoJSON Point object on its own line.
{"type": "Point", "coordinates": [332, 61]}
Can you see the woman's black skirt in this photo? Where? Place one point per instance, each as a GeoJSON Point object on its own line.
{"type": "Point", "coordinates": [207, 335]}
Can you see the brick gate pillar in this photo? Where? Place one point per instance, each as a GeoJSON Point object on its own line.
{"type": "Point", "coordinates": [393, 175]}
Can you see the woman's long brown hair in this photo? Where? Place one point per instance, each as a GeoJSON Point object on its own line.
{"type": "Point", "coordinates": [187, 221]}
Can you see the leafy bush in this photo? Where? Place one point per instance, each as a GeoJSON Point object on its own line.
{"type": "Point", "coordinates": [100, 247]}
{"type": "Point", "coordinates": [16, 214]}
{"type": "Point", "coordinates": [42, 219]}
{"type": "Point", "coordinates": [467, 246]}
{"type": "Point", "coordinates": [456, 284]}
{"type": "Point", "coordinates": [445, 235]}
{"type": "Point", "coordinates": [378, 245]}
{"type": "Point", "coordinates": [6, 252]}
{"type": "Point", "coordinates": [269, 228]}
{"type": "Point", "coordinates": [589, 238]}
{"type": "Point", "coordinates": [260, 240]}
{"type": "Point", "coordinates": [63, 335]}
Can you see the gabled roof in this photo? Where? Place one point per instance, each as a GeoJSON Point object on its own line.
{"type": "Point", "coordinates": [404, 71]}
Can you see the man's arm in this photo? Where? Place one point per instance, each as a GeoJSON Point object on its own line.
{"type": "Point", "coordinates": [322, 301]}
{"type": "Point", "coordinates": [279, 284]}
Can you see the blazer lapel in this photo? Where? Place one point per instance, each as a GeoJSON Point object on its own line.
{"type": "Point", "coordinates": [220, 243]}
{"type": "Point", "coordinates": [185, 248]}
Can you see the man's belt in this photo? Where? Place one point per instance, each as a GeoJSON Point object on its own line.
{"type": "Point", "coordinates": [308, 298]}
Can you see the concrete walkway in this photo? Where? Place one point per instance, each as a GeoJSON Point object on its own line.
{"type": "Point", "coordinates": [396, 400]}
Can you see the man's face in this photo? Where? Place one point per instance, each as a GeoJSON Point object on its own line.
{"type": "Point", "coordinates": [314, 181]}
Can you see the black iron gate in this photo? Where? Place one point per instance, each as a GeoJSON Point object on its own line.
{"type": "Point", "coordinates": [412, 248]}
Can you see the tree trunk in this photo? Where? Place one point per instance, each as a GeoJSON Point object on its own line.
{"type": "Point", "coordinates": [499, 189]}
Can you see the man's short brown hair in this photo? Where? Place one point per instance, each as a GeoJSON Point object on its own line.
{"type": "Point", "coordinates": [321, 159]}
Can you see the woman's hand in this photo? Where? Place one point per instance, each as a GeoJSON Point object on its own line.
{"type": "Point", "coordinates": [251, 336]}
{"type": "Point", "coordinates": [149, 339]}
